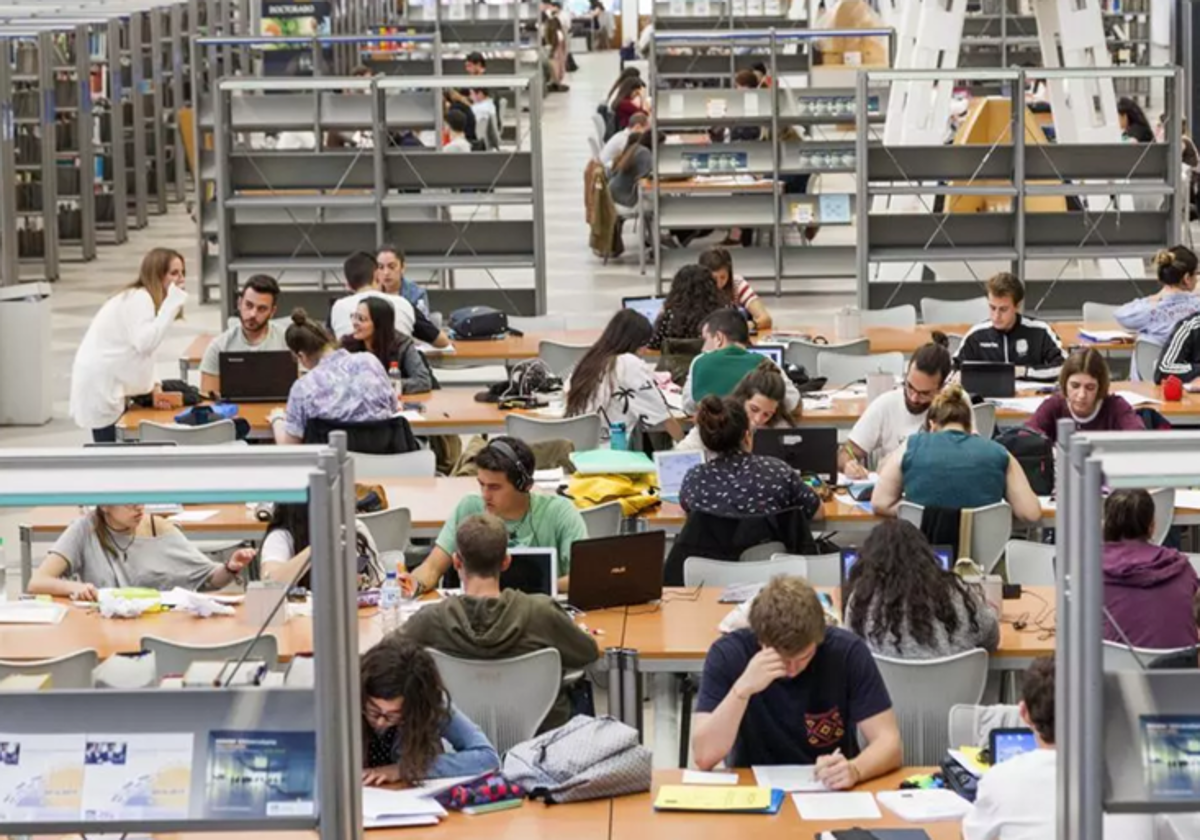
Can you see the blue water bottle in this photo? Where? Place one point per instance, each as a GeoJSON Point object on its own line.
{"type": "Point", "coordinates": [617, 439]}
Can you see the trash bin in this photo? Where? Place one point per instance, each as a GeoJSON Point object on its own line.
{"type": "Point", "coordinates": [26, 387]}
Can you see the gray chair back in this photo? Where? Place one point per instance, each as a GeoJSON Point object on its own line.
{"type": "Point", "coordinates": [938, 311]}
{"type": "Point", "coordinates": [1145, 359]}
{"type": "Point", "coordinates": [390, 529]}
{"type": "Point", "coordinates": [583, 431]}
{"type": "Point", "coordinates": [213, 434]}
{"type": "Point", "coordinates": [72, 671]}
{"type": "Point", "coordinates": [602, 520]}
{"type": "Point", "coordinates": [924, 690]}
{"type": "Point", "coordinates": [171, 657]}
{"type": "Point", "coordinates": [902, 317]}
{"type": "Point", "coordinates": [420, 463]}
{"type": "Point", "coordinates": [805, 353]}
{"type": "Point", "coordinates": [561, 358]}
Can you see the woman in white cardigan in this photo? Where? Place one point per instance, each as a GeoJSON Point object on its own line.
{"type": "Point", "coordinates": [115, 360]}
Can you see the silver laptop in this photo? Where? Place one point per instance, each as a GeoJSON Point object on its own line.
{"type": "Point", "coordinates": [671, 468]}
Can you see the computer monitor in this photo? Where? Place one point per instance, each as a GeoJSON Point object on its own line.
{"type": "Point", "coordinates": [647, 305]}
{"type": "Point", "coordinates": [671, 468]}
{"type": "Point", "coordinates": [774, 352]}
{"type": "Point", "coordinates": [810, 449]}
{"type": "Point", "coordinates": [942, 555]}
{"type": "Point", "coordinates": [989, 379]}
{"type": "Point", "coordinates": [259, 376]}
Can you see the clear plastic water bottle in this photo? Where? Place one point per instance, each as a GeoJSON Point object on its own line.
{"type": "Point", "coordinates": [617, 437]}
{"type": "Point", "coordinates": [394, 375]}
{"type": "Point", "coordinates": [389, 603]}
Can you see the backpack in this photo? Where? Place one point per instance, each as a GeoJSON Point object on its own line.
{"type": "Point", "coordinates": [1035, 453]}
{"type": "Point", "coordinates": [585, 758]}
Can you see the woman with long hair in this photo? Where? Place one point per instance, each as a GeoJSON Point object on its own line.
{"type": "Point", "coordinates": [630, 99]}
{"type": "Point", "coordinates": [375, 332]}
{"type": "Point", "coordinates": [692, 298]}
{"type": "Point", "coordinates": [734, 289]}
{"type": "Point", "coordinates": [613, 381]}
{"type": "Point", "coordinates": [1133, 122]}
{"type": "Point", "coordinates": [1154, 317]}
{"type": "Point", "coordinates": [287, 546]}
{"type": "Point", "coordinates": [761, 393]}
{"type": "Point", "coordinates": [555, 39]}
{"type": "Point", "coordinates": [630, 71]}
{"type": "Point", "coordinates": [903, 604]}
{"type": "Point", "coordinates": [407, 719]}
{"type": "Point", "coordinates": [634, 163]}
{"type": "Point", "coordinates": [115, 360]}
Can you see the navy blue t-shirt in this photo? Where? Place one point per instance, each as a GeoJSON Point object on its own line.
{"type": "Point", "coordinates": [794, 721]}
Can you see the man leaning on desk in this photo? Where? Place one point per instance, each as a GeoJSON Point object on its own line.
{"type": "Point", "coordinates": [787, 690]}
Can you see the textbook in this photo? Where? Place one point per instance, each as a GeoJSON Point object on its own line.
{"type": "Point", "coordinates": [137, 777]}
{"type": "Point", "coordinates": [41, 777]}
{"type": "Point", "coordinates": [261, 774]}
{"type": "Point", "coordinates": [733, 800]}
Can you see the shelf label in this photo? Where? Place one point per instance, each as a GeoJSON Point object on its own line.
{"type": "Point", "coordinates": [701, 8]}
{"type": "Point", "coordinates": [678, 8]}
{"type": "Point", "coordinates": [750, 103]}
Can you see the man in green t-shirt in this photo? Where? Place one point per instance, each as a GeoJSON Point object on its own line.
{"type": "Point", "coordinates": [533, 520]}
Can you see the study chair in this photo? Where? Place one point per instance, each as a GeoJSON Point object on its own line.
{"type": "Point", "coordinates": [213, 434]}
{"type": "Point", "coordinates": [389, 529]}
{"type": "Point", "coordinates": [938, 311]}
{"type": "Point", "coordinates": [803, 353]}
{"type": "Point", "coordinates": [1164, 513]}
{"type": "Point", "coordinates": [600, 130]}
{"type": "Point", "coordinates": [840, 370]}
{"type": "Point", "coordinates": [561, 358]}
{"type": "Point", "coordinates": [964, 724]}
{"type": "Point", "coordinates": [823, 569]}
{"type": "Point", "coordinates": [594, 147]}
{"type": "Point", "coordinates": [602, 520]}
{"type": "Point", "coordinates": [1145, 358]}
{"type": "Point", "coordinates": [924, 690]}
{"type": "Point", "coordinates": [991, 529]}
{"type": "Point", "coordinates": [983, 417]}
{"type": "Point", "coordinates": [1099, 313]}
{"type": "Point", "coordinates": [174, 658]}
{"type": "Point", "coordinates": [420, 463]}
{"type": "Point", "coordinates": [1029, 563]}
{"type": "Point", "coordinates": [901, 317]}
{"type": "Point", "coordinates": [72, 671]}
{"type": "Point", "coordinates": [1119, 657]}
{"type": "Point", "coordinates": [507, 698]}
{"type": "Point", "coordinates": [582, 431]}
{"type": "Point", "coordinates": [701, 571]}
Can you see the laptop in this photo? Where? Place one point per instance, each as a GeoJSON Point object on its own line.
{"type": "Point", "coordinates": [989, 379]}
{"type": "Point", "coordinates": [671, 468]}
{"type": "Point", "coordinates": [942, 553]}
{"type": "Point", "coordinates": [617, 571]}
{"type": "Point", "coordinates": [811, 449]}
{"type": "Point", "coordinates": [263, 376]}
{"type": "Point", "coordinates": [774, 352]}
{"type": "Point", "coordinates": [1004, 744]}
{"type": "Point", "coordinates": [647, 305]}
{"type": "Point", "coordinates": [532, 570]}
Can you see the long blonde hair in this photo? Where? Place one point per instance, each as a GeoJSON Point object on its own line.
{"type": "Point", "coordinates": [155, 266]}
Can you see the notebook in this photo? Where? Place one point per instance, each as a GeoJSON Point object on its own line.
{"type": "Point", "coordinates": [611, 461]}
{"type": "Point", "coordinates": [729, 800]}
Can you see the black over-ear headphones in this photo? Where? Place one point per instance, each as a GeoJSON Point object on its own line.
{"type": "Point", "coordinates": [518, 475]}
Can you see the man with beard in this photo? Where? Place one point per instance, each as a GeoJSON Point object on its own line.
{"type": "Point", "coordinates": [890, 420]}
{"type": "Point", "coordinates": [253, 332]}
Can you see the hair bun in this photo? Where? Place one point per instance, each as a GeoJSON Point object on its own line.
{"type": "Point", "coordinates": [299, 317]}
{"type": "Point", "coordinates": [1164, 258]}
{"type": "Point", "coordinates": [939, 338]}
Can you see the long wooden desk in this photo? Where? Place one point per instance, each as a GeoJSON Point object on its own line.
{"type": "Point", "coordinates": [634, 817]}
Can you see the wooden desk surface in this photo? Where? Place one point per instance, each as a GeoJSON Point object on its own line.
{"type": "Point", "coordinates": [634, 817]}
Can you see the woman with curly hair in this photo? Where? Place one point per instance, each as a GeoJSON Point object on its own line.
{"type": "Point", "coordinates": [693, 297]}
{"type": "Point", "coordinates": [903, 605]}
{"type": "Point", "coordinates": [407, 717]}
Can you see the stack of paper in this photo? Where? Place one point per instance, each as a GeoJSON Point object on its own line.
{"type": "Point", "coordinates": [1105, 336]}
{"type": "Point", "coordinates": [31, 612]}
{"type": "Point", "coordinates": [1135, 399]}
{"type": "Point", "coordinates": [384, 808]}
{"type": "Point", "coordinates": [1024, 405]}
{"type": "Point", "coordinates": [699, 777]}
{"type": "Point", "coordinates": [836, 806]}
{"type": "Point", "coordinates": [790, 778]}
{"type": "Point", "coordinates": [932, 805]}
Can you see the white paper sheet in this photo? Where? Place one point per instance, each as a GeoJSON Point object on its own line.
{"type": "Point", "coordinates": [1102, 336]}
{"type": "Point", "coordinates": [1025, 405]}
{"type": "Point", "coordinates": [699, 777]}
{"type": "Point", "coordinates": [1135, 399]}
{"type": "Point", "coordinates": [194, 516]}
{"type": "Point", "coordinates": [1188, 499]}
{"type": "Point", "coordinates": [399, 807]}
{"type": "Point", "coordinates": [790, 778]}
{"type": "Point", "coordinates": [836, 806]}
{"type": "Point", "coordinates": [31, 612]}
{"type": "Point", "coordinates": [924, 805]}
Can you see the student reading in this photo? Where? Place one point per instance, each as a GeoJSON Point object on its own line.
{"type": "Point", "coordinates": [1084, 398]}
{"type": "Point", "coordinates": [761, 393]}
{"type": "Point", "coordinates": [540, 520]}
{"type": "Point", "coordinates": [788, 690]}
{"type": "Point", "coordinates": [254, 331]}
{"type": "Point", "coordinates": [486, 623]}
{"type": "Point", "coordinates": [724, 360]}
{"type": "Point", "coordinates": [1008, 336]}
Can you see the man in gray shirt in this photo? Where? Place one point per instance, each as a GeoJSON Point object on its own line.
{"type": "Point", "coordinates": [254, 331]}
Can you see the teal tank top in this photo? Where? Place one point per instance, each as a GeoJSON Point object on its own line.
{"type": "Point", "coordinates": [953, 469]}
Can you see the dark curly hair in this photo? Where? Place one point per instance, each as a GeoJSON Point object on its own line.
{"type": "Point", "coordinates": [693, 297]}
{"type": "Point", "coordinates": [399, 668]}
{"type": "Point", "coordinates": [897, 581]}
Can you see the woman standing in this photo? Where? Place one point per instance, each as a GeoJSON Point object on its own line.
{"type": "Point", "coordinates": [555, 39]}
{"type": "Point", "coordinates": [375, 332]}
{"type": "Point", "coordinates": [115, 360]}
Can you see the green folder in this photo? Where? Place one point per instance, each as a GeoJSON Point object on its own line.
{"type": "Point", "coordinates": [611, 462]}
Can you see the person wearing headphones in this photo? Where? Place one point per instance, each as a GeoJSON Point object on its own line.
{"type": "Point", "coordinates": [534, 520]}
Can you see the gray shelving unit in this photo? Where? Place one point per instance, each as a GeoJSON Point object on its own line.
{"type": "Point", "coordinates": [299, 213]}
{"type": "Point", "coordinates": [725, 15]}
{"type": "Point", "coordinates": [1148, 173]}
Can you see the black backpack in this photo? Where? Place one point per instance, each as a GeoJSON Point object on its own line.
{"type": "Point", "coordinates": [1035, 453]}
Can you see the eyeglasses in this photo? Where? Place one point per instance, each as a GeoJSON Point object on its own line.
{"type": "Point", "coordinates": [377, 715]}
{"type": "Point", "coordinates": [914, 393]}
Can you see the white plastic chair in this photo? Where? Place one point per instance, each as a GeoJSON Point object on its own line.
{"type": "Point", "coordinates": [924, 691]}
{"type": "Point", "coordinates": [903, 317]}
{"type": "Point", "coordinates": [938, 311]}
{"type": "Point", "coordinates": [953, 342]}
{"type": "Point", "coordinates": [842, 370]}
{"type": "Point", "coordinates": [984, 419]}
{"type": "Point", "coordinates": [990, 531]}
{"type": "Point", "coordinates": [823, 569]}
{"type": "Point", "coordinates": [390, 529]}
{"type": "Point", "coordinates": [506, 698]}
{"type": "Point", "coordinates": [1164, 513]}
{"type": "Point", "coordinates": [1029, 563]}
{"type": "Point", "coordinates": [805, 353]}
{"type": "Point", "coordinates": [602, 520]}
{"type": "Point", "coordinates": [964, 731]}
{"type": "Point", "coordinates": [171, 657]}
{"type": "Point", "coordinates": [701, 571]}
{"type": "Point", "coordinates": [594, 146]}
{"type": "Point", "coordinates": [583, 431]}
{"type": "Point", "coordinates": [420, 463]}
{"type": "Point", "coordinates": [600, 129]}
{"type": "Point", "coordinates": [213, 434]}
{"type": "Point", "coordinates": [1145, 358]}
{"type": "Point", "coordinates": [1194, 559]}
{"type": "Point", "coordinates": [71, 671]}
{"type": "Point", "coordinates": [1118, 657]}
{"type": "Point", "coordinates": [561, 358]}
{"type": "Point", "coordinates": [1098, 313]}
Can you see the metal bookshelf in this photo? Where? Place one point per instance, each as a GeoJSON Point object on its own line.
{"type": "Point", "coordinates": [725, 15]}
{"type": "Point", "coordinates": [1100, 187]}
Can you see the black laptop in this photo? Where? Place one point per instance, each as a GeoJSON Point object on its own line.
{"type": "Point", "coordinates": [263, 376]}
{"type": "Point", "coordinates": [617, 571]}
{"type": "Point", "coordinates": [988, 380]}
{"type": "Point", "coordinates": [807, 449]}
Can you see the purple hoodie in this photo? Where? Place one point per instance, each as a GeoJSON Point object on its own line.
{"type": "Point", "coordinates": [1148, 589]}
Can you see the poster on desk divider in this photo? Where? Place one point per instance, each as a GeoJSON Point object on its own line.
{"type": "Point", "coordinates": [41, 777]}
{"type": "Point", "coordinates": [137, 777]}
{"type": "Point", "coordinates": [261, 774]}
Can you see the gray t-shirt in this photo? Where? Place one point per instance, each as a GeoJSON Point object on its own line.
{"type": "Point", "coordinates": [154, 562]}
{"type": "Point", "coordinates": [622, 186]}
{"type": "Point", "coordinates": [233, 340]}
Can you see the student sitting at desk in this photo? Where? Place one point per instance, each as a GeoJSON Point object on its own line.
{"type": "Point", "coordinates": [952, 468]}
{"type": "Point", "coordinates": [1084, 398]}
{"type": "Point", "coordinates": [1010, 337]}
{"type": "Point", "coordinates": [761, 392]}
{"type": "Point", "coordinates": [485, 623]}
{"type": "Point", "coordinates": [340, 386]}
{"type": "Point", "coordinates": [692, 298]}
{"type": "Point", "coordinates": [390, 279]}
{"type": "Point", "coordinates": [1154, 317]}
{"type": "Point", "coordinates": [898, 414]}
{"type": "Point", "coordinates": [734, 289]}
{"type": "Point", "coordinates": [616, 144]}
{"type": "Point", "coordinates": [375, 333]}
{"type": "Point", "coordinates": [456, 133]}
{"type": "Point", "coordinates": [286, 549]}
{"type": "Point", "coordinates": [790, 691]}
{"type": "Point", "coordinates": [633, 164]}
{"type": "Point", "coordinates": [361, 272]}
{"type": "Point", "coordinates": [904, 605]}
{"type": "Point", "coordinates": [737, 482]}
{"type": "Point", "coordinates": [408, 720]}
{"type": "Point", "coordinates": [1188, 658]}
{"type": "Point", "coordinates": [629, 99]}
{"type": "Point", "coordinates": [725, 360]}
{"type": "Point", "coordinates": [539, 520]}
{"type": "Point", "coordinates": [614, 381]}
{"type": "Point", "coordinates": [119, 546]}
{"type": "Point", "coordinates": [254, 331]}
